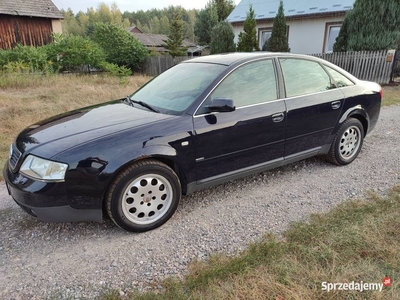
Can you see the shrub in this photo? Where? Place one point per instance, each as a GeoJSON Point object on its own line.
{"type": "Point", "coordinates": [24, 58]}
{"type": "Point", "coordinates": [74, 52]}
{"type": "Point", "coordinates": [120, 46]}
{"type": "Point", "coordinates": [115, 70]}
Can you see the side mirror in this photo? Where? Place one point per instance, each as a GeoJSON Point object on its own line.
{"type": "Point", "coordinates": [221, 105]}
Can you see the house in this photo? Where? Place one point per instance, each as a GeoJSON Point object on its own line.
{"type": "Point", "coordinates": [313, 25]}
{"type": "Point", "coordinates": [134, 29]}
{"type": "Point", "coordinates": [156, 42]}
{"type": "Point", "coordinates": [28, 22]}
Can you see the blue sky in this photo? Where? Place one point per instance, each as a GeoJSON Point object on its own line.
{"type": "Point", "coordinates": [130, 5]}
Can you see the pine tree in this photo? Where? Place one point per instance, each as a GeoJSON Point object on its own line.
{"type": "Point", "coordinates": [206, 20]}
{"type": "Point", "coordinates": [279, 41]}
{"type": "Point", "coordinates": [248, 39]}
{"type": "Point", "coordinates": [224, 8]}
{"type": "Point", "coordinates": [371, 25]}
{"type": "Point", "coordinates": [341, 41]}
{"type": "Point", "coordinates": [222, 38]}
{"type": "Point", "coordinates": [175, 38]}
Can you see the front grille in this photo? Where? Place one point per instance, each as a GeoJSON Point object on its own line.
{"type": "Point", "coordinates": [14, 157]}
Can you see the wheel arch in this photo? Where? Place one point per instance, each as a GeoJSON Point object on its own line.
{"type": "Point", "coordinates": [161, 158]}
{"type": "Point", "coordinates": [359, 113]}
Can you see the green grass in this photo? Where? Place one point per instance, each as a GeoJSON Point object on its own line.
{"type": "Point", "coordinates": [357, 241]}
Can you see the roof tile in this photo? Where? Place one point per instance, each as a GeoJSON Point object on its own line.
{"type": "Point", "coordinates": [267, 9]}
{"type": "Point", "coordinates": [31, 8]}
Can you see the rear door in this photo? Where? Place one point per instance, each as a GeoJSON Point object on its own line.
{"type": "Point", "coordinates": [314, 104]}
{"type": "Point", "coordinates": [251, 135]}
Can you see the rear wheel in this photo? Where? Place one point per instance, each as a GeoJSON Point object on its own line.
{"type": "Point", "coordinates": [347, 143]}
{"type": "Point", "coordinates": [144, 196]}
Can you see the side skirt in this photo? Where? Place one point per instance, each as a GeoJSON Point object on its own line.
{"type": "Point", "coordinates": [219, 179]}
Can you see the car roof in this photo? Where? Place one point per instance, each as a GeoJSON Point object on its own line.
{"type": "Point", "coordinates": [238, 57]}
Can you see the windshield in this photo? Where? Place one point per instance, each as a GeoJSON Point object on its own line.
{"type": "Point", "coordinates": [176, 89]}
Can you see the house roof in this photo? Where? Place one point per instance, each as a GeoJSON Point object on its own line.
{"type": "Point", "coordinates": [267, 9]}
{"type": "Point", "coordinates": [157, 41]}
{"type": "Point", "coordinates": [134, 29]}
{"type": "Point", "coordinates": [31, 8]}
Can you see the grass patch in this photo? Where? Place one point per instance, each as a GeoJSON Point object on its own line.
{"type": "Point", "coordinates": [391, 95]}
{"type": "Point", "coordinates": [28, 98]}
{"type": "Point", "coordinates": [357, 241]}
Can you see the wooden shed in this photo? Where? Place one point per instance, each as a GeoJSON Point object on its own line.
{"type": "Point", "coordinates": [28, 22]}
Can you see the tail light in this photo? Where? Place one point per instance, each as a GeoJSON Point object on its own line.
{"type": "Point", "coordinates": [381, 93]}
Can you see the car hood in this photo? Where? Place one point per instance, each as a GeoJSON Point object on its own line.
{"type": "Point", "coordinates": [51, 136]}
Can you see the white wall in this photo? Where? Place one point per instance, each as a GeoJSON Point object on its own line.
{"type": "Point", "coordinates": [57, 28]}
{"type": "Point", "coordinates": [305, 36]}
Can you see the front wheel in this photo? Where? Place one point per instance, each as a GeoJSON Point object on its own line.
{"type": "Point", "coordinates": [144, 196]}
{"type": "Point", "coordinates": [347, 143]}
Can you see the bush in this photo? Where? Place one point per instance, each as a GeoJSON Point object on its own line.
{"type": "Point", "coordinates": [115, 70]}
{"type": "Point", "coordinates": [74, 52]}
{"type": "Point", "coordinates": [120, 46]}
{"type": "Point", "coordinates": [24, 58]}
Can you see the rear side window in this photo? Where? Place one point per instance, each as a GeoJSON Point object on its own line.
{"type": "Point", "coordinates": [341, 80]}
{"type": "Point", "coordinates": [304, 77]}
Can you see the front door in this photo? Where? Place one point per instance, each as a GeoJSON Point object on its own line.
{"type": "Point", "coordinates": [252, 135]}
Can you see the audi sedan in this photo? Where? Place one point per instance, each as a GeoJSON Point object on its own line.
{"type": "Point", "coordinates": [201, 123]}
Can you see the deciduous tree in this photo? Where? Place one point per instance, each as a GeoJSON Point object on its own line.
{"type": "Point", "coordinates": [120, 46]}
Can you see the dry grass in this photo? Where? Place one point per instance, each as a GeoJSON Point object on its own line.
{"type": "Point", "coordinates": [27, 99]}
{"type": "Point", "coordinates": [391, 94]}
{"type": "Point", "coordinates": [357, 241]}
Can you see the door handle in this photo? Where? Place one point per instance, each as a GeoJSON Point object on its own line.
{"type": "Point", "coordinates": [336, 104]}
{"type": "Point", "coordinates": [278, 117]}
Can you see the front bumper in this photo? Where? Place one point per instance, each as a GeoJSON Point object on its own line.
{"type": "Point", "coordinates": [47, 201]}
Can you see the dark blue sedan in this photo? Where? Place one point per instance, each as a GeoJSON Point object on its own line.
{"type": "Point", "coordinates": [201, 123]}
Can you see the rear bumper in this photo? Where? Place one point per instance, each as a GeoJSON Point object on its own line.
{"type": "Point", "coordinates": [47, 201]}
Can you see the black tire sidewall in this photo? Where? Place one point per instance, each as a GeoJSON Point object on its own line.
{"type": "Point", "coordinates": [349, 123]}
{"type": "Point", "coordinates": [117, 196]}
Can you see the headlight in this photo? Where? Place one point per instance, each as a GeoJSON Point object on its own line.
{"type": "Point", "coordinates": [43, 169]}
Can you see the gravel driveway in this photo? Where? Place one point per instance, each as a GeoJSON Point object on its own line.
{"type": "Point", "coordinates": [42, 260]}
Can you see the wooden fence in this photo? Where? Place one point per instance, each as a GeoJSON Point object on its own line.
{"type": "Point", "coordinates": [375, 66]}
{"type": "Point", "coordinates": [154, 66]}
{"type": "Point", "coordinates": [366, 65]}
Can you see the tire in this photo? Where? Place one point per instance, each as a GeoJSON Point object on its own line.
{"type": "Point", "coordinates": [347, 143]}
{"type": "Point", "coordinates": [143, 196]}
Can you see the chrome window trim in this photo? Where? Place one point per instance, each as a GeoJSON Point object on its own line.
{"type": "Point", "coordinates": [234, 69]}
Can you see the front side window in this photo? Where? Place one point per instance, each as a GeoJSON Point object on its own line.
{"type": "Point", "coordinates": [250, 84]}
{"type": "Point", "coordinates": [176, 89]}
{"type": "Point", "coordinates": [304, 77]}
